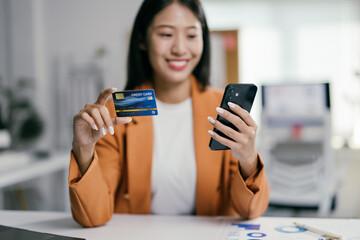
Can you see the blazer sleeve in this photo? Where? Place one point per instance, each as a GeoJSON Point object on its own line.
{"type": "Point", "coordinates": [250, 198]}
{"type": "Point", "coordinates": [92, 195]}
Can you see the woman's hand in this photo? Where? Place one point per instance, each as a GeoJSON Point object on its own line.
{"type": "Point", "coordinates": [243, 144]}
{"type": "Point", "coordinates": [90, 124]}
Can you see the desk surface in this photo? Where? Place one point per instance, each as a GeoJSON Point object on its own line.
{"type": "Point", "coordinates": [177, 227]}
{"type": "Point", "coordinates": [26, 168]}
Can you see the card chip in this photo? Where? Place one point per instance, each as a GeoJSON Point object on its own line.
{"type": "Point", "coordinates": [119, 96]}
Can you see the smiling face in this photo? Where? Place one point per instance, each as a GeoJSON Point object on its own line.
{"type": "Point", "coordinates": [174, 44]}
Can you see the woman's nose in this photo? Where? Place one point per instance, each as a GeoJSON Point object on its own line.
{"type": "Point", "coordinates": [178, 47]}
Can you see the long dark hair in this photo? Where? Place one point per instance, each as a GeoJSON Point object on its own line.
{"type": "Point", "coordinates": [139, 68]}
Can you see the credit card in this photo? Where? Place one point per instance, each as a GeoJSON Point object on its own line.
{"type": "Point", "coordinates": [135, 103]}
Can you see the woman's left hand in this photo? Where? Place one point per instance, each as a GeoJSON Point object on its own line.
{"type": "Point", "coordinates": [243, 144]}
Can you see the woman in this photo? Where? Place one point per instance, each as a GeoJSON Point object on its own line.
{"type": "Point", "coordinates": [163, 165]}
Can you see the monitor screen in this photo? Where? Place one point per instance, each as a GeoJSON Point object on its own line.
{"type": "Point", "coordinates": [296, 99]}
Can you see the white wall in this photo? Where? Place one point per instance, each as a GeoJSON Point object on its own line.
{"type": "Point", "coordinates": [77, 28]}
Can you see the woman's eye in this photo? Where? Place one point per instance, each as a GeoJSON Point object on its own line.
{"type": "Point", "coordinates": [192, 36]}
{"type": "Point", "coordinates": [165, 34]}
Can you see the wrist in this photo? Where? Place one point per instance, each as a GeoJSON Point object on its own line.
{"type": "Point", "coordinates": [81, 148]}
{"type": "Point", "coordinates": [249, 166]}
{"type": "Point", "coordinates": [83, 155]}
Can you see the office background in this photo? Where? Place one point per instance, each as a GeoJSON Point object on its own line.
{"type": "Point", "coordinates": [52, 49]}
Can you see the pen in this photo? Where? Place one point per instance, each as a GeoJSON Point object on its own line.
{"type": "Point", "coordinates": [322, 233]}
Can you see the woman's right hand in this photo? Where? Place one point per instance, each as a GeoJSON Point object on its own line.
{"type": "Point", "coordinates": [91, 124]}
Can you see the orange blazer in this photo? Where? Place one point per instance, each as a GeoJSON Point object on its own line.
{"type": "Point", "coordinates": [119, 177]}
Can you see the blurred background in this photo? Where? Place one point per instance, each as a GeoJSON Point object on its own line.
{"type": "Point", "coordinates": [304, 56]}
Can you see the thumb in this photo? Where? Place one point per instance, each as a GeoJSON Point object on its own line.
{"type": "Point", "coordinates": [103, 96]}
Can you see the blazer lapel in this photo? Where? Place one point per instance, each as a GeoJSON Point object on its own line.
{"type": "Point", "coordinates": [208, 162]}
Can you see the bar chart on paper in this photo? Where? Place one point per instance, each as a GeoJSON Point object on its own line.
{"type": "Point", "coordinates": [284, 229]}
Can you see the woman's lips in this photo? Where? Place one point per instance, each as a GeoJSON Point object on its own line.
{"type": "Point", "coordinates": [177, 64]}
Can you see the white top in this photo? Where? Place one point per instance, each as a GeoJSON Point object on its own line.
{"type": "Point", "coordinates": [173, 176]}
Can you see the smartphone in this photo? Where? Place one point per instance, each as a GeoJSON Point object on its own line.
{"type": "Point", "coordinates": [242, 94]}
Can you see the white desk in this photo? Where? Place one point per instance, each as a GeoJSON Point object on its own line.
{"type": "Point", "coordinates": [18, 167]}
{"type": "Point", "coordinates": [151, 227]}
{"type": "Point", "coordinates": [29, 168]}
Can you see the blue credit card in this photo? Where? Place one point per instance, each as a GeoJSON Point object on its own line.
{"type": "Point", "coordinates": [135, 103]}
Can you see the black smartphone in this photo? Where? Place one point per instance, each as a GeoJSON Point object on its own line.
{"type": "Point", "coordinates": [242, 94]}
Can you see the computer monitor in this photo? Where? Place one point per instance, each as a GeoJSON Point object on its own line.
{"type": "Point", "coordinates": [296, 99]}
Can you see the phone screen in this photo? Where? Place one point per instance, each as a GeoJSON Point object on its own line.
{"type": "Point", "coordinates": [242, 94]}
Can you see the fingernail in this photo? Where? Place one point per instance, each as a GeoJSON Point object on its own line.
{"type": "Point", "coordinates": [114, 88]}
{"type": "Point", "coordinates": [111, 129]}
{"type": "Point", "coordinates": [211, 120]}
{"type": "Point", "coordinates": [219, 110]}
{"type": "Point", "coordinates": [211, 132]}
{"type": "Point", "coordinates": [232, 105]}
{"type": "Point", "coordinates": [95, 127]}
{"type": "Point", "coordinates": [103, 130]}
{"type": "Point", "coordinates": [129, 119]}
